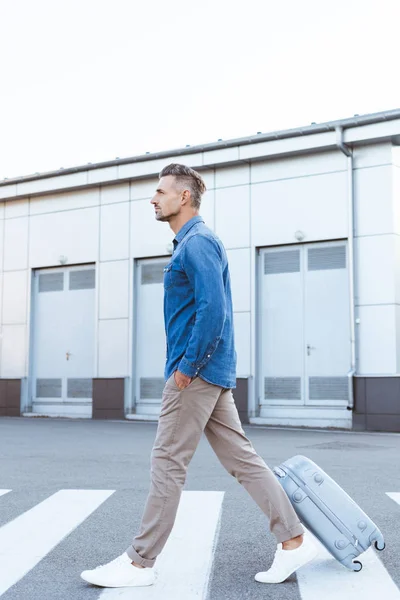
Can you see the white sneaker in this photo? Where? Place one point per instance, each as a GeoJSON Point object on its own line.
{"type": "Point", "coordinates": [119, 573]}
{"type": "Point", "coordinates": [287, 562]}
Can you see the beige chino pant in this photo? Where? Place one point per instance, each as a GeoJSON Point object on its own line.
{"type": "Point", "coordinates": [185, 414]}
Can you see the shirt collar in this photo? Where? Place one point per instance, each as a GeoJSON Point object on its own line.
{"type": "Point", "coordinates": [187, 226]}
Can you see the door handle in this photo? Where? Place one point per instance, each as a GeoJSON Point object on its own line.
{"type": "Point", "coordinates": [67, 355]}
{"type": "Point", "coordinates": [309, 348]}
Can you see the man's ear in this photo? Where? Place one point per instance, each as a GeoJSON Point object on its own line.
{"type": "Point", "coordinates": [186, 196]}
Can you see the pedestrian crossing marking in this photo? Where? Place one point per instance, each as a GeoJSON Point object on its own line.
{"type": "Point", "coordinates": [184, 566]}
{"type": "Point", "coordinates": [326, 577]}
{"type": "Point", "coordinates": [394, 496]}
{"type": "Point", "coordinates": [28, 538]}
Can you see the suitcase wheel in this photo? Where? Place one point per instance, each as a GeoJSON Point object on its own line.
{"type": "Point", "coordinates": [357, 566]}
{"type": "Point", "coordinates": [380, 546]}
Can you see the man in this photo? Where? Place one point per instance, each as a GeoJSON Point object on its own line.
{"type": "Point", "coordinates": [200, 374]}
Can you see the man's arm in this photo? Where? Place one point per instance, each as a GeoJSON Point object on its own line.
{"type": "Point", "coordinates": [202, 263]}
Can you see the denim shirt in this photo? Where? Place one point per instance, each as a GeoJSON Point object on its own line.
{"type": "Point", "coordinates": [198, 312]}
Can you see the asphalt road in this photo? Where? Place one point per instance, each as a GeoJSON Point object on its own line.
{"type": "Point", "coordinates": [39, 457]}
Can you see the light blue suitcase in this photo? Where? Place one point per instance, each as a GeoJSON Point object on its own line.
{"type": "Point", "coordinates": [328, 512]}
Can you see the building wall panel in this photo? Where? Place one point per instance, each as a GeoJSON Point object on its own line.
{"type": "Point", "coordinates": [232, 216]}
{"type": "Point", "coordinates": [105, 174]}
{"type": "Point", "coordinates": [58, 182]}
{"type": "Point", "coordinates": [232, 176]}
{"type": "Point", "coordinates": [207, 208]}
{"type": "Point", "coordinates": [114, 231]}
{"type": "Point", "coordinates": [372, 155]}
{"type": "Point", "coordinates": [373, 201]}
{"type": "Point", "coordinates": [114, 193]}
{"type": "Point", "coordinates": [143, 188]}
{"type": "Point", "coordinates": [16, 208]}
{"type": "Point", "coordinates": [239, 268]}
{"type": "Point", "coordinates": [396, 198]}
{"type": "Point", "coordinates": [298, 166]}
{"type": "Point", "coordinates": [13, 351]}
{"type": "Point", "coordinates": [376, 333]}
{"type": "Point", "coordinates": [74, 234]}
{"type": "Point", "coordinates": [375, 280]}
{"type": "Point", "coordinates": [242, 343]}
{"type": "Point", "coordinates": [149, 237]}
{"type": "Point", "coordinates": [113, 348]}
{"type": "Point", "coordinates": [114, 289]}
{"type": "Point", "coordinates": [315, 205]}
{"type": "Point", "coordinates": [15, 296]}
{"type": "Point", "coordinates": [15, 244]}
{"type": "Point", "coordinates": [66, 201]}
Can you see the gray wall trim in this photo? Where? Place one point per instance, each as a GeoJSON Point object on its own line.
{"type": "Point", "coordinates": [108, 398]}
{"type": "Point", "coordinates": [377, 404]}
{"type": "Point", "coordinates": [241, 397]}
{"type": "Point", "coordinates": [10, 397]}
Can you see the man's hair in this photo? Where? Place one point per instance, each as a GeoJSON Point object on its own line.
{"type": "Point", "coordinates": [187, 178]}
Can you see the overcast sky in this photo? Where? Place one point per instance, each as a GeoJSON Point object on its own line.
{"type": "Point", "coordinates": [91, 80]}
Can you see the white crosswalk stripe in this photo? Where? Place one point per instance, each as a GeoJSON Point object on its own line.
{"type": "Point", "coordinates": [184, 567]}
{"type": "Point", "coordinates": [40, 529]}
{"type": "Point", "coordinates": [394, 496]}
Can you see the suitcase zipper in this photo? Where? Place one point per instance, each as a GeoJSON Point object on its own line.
{"type": "Point", "coordinates": [326, 510]}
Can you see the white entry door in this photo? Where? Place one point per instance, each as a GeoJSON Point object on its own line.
{"type": "Point", "coordinates": [63, 341]}
{"type": "Point", "coordinates": [304, 327]}
{"type": "Point", "coordinates": [150, 336]}
{"type": "Point", "coordinates": [327, 325]}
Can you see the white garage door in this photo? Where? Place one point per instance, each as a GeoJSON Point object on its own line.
{"type": "Point", "coordinates": [305, 327]}
{"type": "Point", "coordinates": [150, 336]}
{"type": "Point", "coordinates": [63, 341]}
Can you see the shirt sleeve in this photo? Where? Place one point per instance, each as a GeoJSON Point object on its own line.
{"type": "Point", "coordinates": [202, 262]}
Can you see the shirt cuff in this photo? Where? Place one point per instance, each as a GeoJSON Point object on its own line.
{"type": "Point", "coordinates": [187, 369]}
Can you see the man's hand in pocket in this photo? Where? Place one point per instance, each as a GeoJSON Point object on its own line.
{"type": "Point", "coordinates": [181, 380]}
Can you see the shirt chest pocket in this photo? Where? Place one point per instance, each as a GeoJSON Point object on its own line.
{"type": "Point", "coordinates": [168, 277]}
{"type": "Point", "coordinates": [175, 278]}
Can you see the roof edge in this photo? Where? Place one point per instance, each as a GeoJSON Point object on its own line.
{"type": "Point", "coordinates": [347, 123]}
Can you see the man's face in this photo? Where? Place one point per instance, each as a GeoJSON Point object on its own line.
{"type": "Point", "coordinates": [167, 199]}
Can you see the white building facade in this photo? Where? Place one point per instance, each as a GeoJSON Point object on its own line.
{"type": "Point", "coordinates": [310, 219]}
